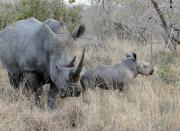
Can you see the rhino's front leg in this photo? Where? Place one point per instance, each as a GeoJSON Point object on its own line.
{"type": "Point", "coordinates": [14, 80]}
{"type": "Point", "coordinates": [32, 81]}
{"type": "Point", "coordinates": [53, 91]}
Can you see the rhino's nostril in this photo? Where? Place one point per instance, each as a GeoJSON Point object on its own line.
{"type": "Point", "coordinates": [152, 71]}
{"type": "Point", "coordinates": [78, 93]}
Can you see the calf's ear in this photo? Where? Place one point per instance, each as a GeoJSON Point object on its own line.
{"type": "Point", "coordinates": [131, 55]}
{"type": "Point", "coordinates": [134, 55]}
{"type": "Point", "coordinates": [78, 31]}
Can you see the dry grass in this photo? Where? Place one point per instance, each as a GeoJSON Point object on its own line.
{"type": "Point", "coordinates": [149, 104]}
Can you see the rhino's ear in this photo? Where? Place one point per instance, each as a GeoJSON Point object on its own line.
{"type": "Point", "coordinates": [131, 55]}
{"type": "Point", "coordinates": [78, 31]}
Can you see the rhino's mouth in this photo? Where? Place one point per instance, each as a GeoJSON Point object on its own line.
{"type": "Point", "coordinates": [151, 72]}
{"type": "Point", "coordinates": [70, 93]}
{"type": "Point", "coordinates": [71, 90]}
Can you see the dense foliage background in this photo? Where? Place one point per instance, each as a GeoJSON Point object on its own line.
{"type": "Point", "coordinates": [41, 10]}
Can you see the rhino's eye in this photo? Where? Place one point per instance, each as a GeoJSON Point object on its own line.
{"type": "Point", "coordinates": [145, 66]}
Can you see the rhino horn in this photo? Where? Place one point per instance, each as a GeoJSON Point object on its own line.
{"type": "Point", "coordinates": [76, 71]}
{"type": "Point", "coordinates": [71, 63]}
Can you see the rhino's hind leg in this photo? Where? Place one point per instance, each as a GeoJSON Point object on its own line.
{"type": "Point", "coordinates": [53, 91]}
{"type": "Point", "coordinates": [33, 82]}
{"type": "Point", "coordinates": [14, 80]}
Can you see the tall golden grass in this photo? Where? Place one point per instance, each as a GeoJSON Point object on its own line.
{"type": "Point", "coordinates": [148, 105]}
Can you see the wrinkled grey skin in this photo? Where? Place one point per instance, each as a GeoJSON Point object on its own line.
{"type": "Point", "coordinates": [115, 76]}
{"type": "Point", "coordinates": [55, 25]}
{"type": "Point", "coordinates": [32, 53]}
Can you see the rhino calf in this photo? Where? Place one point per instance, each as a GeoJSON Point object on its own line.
{"type": "Point", "coordinates": [115, 76]}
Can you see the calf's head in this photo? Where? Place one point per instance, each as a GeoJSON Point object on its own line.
{"type": "Point", "coordinates": [142, 67]}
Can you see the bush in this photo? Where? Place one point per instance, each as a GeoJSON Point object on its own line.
{"type": "Point", "coordinates": [6, 17]}
{"type": "Point", "coordinates": [41, 10]}
{"type": "Point", "coordinates": [165, 73]}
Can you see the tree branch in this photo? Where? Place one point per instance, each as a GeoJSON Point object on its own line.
{"type": "Point", "coordinates": [163, 20]}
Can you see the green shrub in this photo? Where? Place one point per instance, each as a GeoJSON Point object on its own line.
{"type": "Point", "coordinates": [164, 71]}
{"type": "Point", "coordinates": [6, 17]}
{"type": "Point", "coordinates": [41, 10]}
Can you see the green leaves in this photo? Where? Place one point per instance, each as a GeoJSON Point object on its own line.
{"type": "Point", "coordinates": [72, 1]}
{"type": "Point", "coordinates": [165, 72]}
{"type": "Point", "coordinates": [41, 10]}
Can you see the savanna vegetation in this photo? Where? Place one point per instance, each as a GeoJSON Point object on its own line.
{"type": "Point", "coordinates": [40, 9]}
{"type": "Point", "coordinates": [113, 28]}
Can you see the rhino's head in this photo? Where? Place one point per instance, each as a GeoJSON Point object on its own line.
{"type": "Point", "coordinates": [64, 73]}
{"type": "Point", "coordinates": [142, 67]}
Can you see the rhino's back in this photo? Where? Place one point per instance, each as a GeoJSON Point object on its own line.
{"type": "Point", "coordinates": [18, 33]}
{"type": "Point", "coordinates": [13, 42]}
{"type": "Point", "coordinates": [101, 73]}
{"type": "Point", "coordinates": [125, 71]}
{"type": "Point", "coordinates": [22, 29]}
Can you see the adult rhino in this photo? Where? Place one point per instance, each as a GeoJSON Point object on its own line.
{"type": "Point", "coordinates": [32, 53]}
{"type": "Point", "coordinates": [115, 76]}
